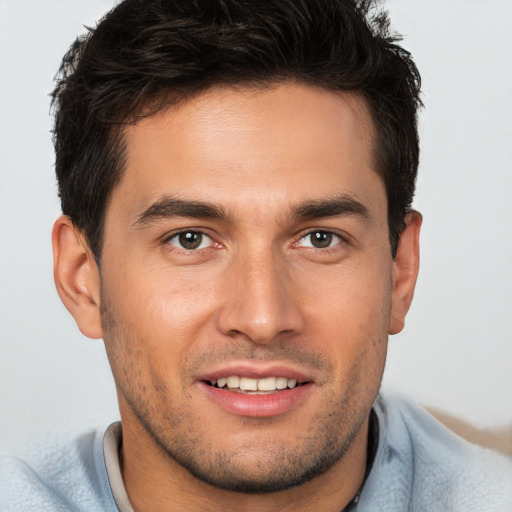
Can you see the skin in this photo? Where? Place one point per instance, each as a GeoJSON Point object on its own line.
{"type": "Point", "coordinates": [256, 291]}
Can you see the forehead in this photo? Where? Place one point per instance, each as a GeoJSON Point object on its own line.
{"type": "Point", "coordinates": [290, 142]}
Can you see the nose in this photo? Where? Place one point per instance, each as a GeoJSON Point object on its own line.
{"type": "Point", "coordinates": [260, 301]}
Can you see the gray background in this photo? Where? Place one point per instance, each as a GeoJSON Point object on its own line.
{"type": "Point", "coordinates": [456, 351]}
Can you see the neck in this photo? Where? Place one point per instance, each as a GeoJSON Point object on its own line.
{"type": "Point", "coordinates": [155, 482]}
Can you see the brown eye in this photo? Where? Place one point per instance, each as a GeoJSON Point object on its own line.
{"type": "Point", "coordinates": [190, 240]}
{"type": "Point", "coordinates": [320, 239]}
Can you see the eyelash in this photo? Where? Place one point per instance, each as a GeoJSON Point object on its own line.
{"type": "Point", "coordinates": [177, 235]}
{"type": "Point", "coordinates": [330, 234]}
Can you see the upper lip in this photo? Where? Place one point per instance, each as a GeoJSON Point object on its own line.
{"type": "Point", "coordinates": [254, 370]}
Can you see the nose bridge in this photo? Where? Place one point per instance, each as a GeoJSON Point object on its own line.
{"type": "Point", "coordinates": [259, 303]}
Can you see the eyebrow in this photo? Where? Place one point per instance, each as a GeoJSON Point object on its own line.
{"type": "Point", "coordinates": [168, 207]}
{"type": "Point", "coordinates": [342, 205]}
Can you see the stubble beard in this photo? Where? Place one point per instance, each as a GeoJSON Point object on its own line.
{"type": "Point", "coordinates": [259, 470]}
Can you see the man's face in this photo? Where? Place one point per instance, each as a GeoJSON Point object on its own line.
{"type": "Point", "coordinates": [247, 246]}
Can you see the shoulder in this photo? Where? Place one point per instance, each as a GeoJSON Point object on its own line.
{"type": "Point", "coordinates": [57, 476]}
{"type": "Point", "coordinates": [421, 465]}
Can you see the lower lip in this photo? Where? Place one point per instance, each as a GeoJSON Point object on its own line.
{"type": "Point", "coordinates": [258, 406]}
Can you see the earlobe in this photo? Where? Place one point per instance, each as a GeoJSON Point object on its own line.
{"type": "Point", "coordinates": [405, 271]}
{"type": "Point", "coordinates": [76, 276]}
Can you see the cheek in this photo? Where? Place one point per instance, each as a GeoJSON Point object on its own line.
{"type": "Point", "coordinates": [351, 299]}
{"type": "Point", "coordinates": [350, 318]}
{"type": "Point", "coordinates": [158, 322]}
{"type": "Point", "coordinates": [163, 302]}
{"type": "Point", "coordinates": [142, 356]}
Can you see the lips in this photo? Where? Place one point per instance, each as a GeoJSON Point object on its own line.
{"type": "Point", "coordinates": [256, 391]}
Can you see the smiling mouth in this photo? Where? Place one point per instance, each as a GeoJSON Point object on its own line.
{"type": "Point", "coordinates": [248, 385]}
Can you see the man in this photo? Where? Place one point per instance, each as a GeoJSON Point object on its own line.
{"type": "Point", "coordinates": [236, 181]}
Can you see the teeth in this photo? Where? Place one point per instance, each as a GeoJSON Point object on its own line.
{"type": "Point", "coordinates": [281, 383]}
{"type": "Point", "coordinates": [233, 382]}
{"type": "Point", "coordinates": [268, 384]}
{"type": "Point", "coordinates": [247, 384]}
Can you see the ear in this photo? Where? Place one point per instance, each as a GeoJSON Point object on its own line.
{"type": "Point", "coordinates": [405, 271]}
{"type": "Point", "coordinates": [76, 276]}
